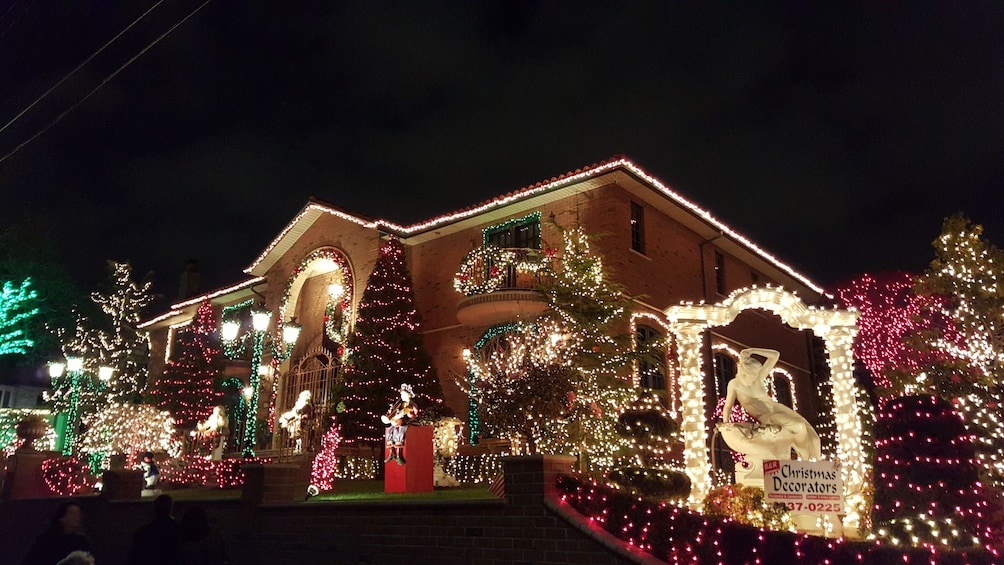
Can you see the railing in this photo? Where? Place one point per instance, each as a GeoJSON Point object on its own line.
{"type": "Point", "coordinates": [490, 269]}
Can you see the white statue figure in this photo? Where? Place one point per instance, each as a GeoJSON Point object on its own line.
{"type": "Point", "coordinates": [215, 428]}
{"type": "Point", "coordinates": [292, 420]}
{"type": "Point", "coordinates": [747, 388]}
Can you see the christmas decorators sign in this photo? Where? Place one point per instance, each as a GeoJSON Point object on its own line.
{"type": "Point", "coordinates": [804, 486]}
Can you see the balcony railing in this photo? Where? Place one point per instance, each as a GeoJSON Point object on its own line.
{"type": "Point", "coordinates": [489, 269]}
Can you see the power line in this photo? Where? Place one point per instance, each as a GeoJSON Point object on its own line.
{"type": "Point", "coordinates": [103, 82]}
{"type": "Point", "coordinates": [78, 67]}
{"type": "Point", "coordinates": [16, 18]}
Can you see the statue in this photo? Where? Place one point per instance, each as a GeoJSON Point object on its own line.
{"type": "Point", "coordinates": [397, 418]}
{"type": "Point", "coordinates": [293, 419]}
{"type": "Point", "coordinates": [215, 428]}
{"type": "Point", "coordinates": [747, 388]}
{"type": "Point", "coordinates": [151, 472]}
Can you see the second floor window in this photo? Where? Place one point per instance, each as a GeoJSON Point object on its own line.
{"type": "Point", "coordinates": [720, 273]}
{"type": "Point", "coordinates": [516, 234]}
{"type": "Point", "coordinates": [637, 227]}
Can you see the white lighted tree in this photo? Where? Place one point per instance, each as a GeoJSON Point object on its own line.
{"type": "Point", "coordinates": [556, 383]}
{"type": "Point", "coordinates": [129, 429]}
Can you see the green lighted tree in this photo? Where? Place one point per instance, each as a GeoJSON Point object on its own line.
{"type": "Point", "coordinates": [16, 307]}
{"type": "Point", "coordinates": [386, 350]}
{"type": "Point", "coordinates": [28, 249]}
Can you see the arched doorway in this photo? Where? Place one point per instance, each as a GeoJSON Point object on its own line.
{"type": "Point", "coordinates": [835, 327]}
{"type": "Point", "coordinates": [320, 295]}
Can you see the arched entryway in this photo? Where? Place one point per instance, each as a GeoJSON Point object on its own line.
{"type": "Point", "coordinates": [835, 327]}
{"type": "Point", "coordinates": [319, 294]}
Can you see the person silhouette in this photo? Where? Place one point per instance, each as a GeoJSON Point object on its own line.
{"type": "Point", "coordinates": [63, 536]}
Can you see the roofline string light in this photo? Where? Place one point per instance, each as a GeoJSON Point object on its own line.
{"type": "Point", "coordinates": [540, 187]}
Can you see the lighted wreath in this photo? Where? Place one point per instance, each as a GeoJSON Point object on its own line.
{"type": "Point", "coordinates": [336, 311]}
{"type": "Point", "coordinates": [64, 475]}
{"type": "Point", "coordinates": [481, 269]}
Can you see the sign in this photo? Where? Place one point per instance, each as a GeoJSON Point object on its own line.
{"type": "Point", "coordinates": [808, 487]}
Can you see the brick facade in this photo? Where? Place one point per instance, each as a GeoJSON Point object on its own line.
{"type": "Point", "coordinates": [678, 265]}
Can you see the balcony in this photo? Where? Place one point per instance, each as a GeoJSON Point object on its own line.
{"type": "Point", "coordinates": [500, 285]}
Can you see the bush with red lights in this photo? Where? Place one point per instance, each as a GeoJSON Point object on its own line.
{"type": "Point", "coordinates": [199, 471]}
{"type": "Point", "coordinates": [678, 535]}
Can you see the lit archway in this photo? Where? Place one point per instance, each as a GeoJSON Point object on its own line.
{"type": "Point", "coordinates": [835, 327]}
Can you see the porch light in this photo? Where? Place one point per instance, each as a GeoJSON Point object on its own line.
{"type": "Point", "coordinates": [230, 329]}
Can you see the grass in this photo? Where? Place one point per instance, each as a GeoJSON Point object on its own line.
{"type": "Point", "coordinates": [349, 491]}
{"type": "Point", "coordinates": [346, 491]}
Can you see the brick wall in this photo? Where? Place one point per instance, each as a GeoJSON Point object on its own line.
{"type": "Point", "coordinates": [520, 529]}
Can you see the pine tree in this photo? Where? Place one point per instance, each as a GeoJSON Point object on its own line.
{"type": "Point", "coordinates": [966, 280]}
{"type": "Point", "coordinates": [385, 351]}
{"type": "Point", "coordinates": [187, 388]}
{"type": "Point", "coordinates": [926, 477]}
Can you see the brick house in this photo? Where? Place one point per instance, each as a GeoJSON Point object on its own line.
{"type": "Point", "coordinates": [662, 248]}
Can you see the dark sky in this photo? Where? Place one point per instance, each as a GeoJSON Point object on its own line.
{"type": "Point", "coordinates": [836, 137]}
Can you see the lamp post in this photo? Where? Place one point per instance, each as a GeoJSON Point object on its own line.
{"type": "Point", "coordinates": [74, 370]}
{"type": "Point", "coordinates": [234, 345]}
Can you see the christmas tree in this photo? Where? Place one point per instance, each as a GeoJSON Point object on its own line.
{"type": "Point", "coordinates": [386, 350]}
{"type": "Point", "coordinates": [965, 284]}
{"type": "Point", "coordinates": [926, 477]}
{"type": "Point", "coordinates": [187, 388]}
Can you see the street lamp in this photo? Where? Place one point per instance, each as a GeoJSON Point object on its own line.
{"type": "Point", "coordinates": [74, 369]}
{"type": "Point", "coordinates": [234, 345]}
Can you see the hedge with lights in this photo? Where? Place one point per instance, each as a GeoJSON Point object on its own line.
{"type": "Point", "coordinates": [677, 535]}
{"type": "Point", "coordinates": [927, 488]}
{"type": "Point", "coordinates": [65, 476]}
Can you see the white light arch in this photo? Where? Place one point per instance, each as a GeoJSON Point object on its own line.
{"type": "Point", "coordinates": [836, 327]}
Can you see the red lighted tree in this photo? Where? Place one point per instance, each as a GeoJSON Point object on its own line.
{"type": "Point", "coordinates": [322, 475]}
{"type": "Point", "coordinates": [386, 350]}
{"type": "Point", "coordinates": [893, 317]}
{"type": "Point", "coordinates": [926, 477]}
{"type": "Point", "coordinates": [187, 388]}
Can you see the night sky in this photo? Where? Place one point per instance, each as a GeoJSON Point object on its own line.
{"type": "Point", "coordinates": [835, 137]}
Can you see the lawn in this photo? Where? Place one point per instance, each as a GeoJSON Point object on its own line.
{"type": "Point", "coordinates": [349, 490]}
{"type": "Point", "coordinates": [373, 490]}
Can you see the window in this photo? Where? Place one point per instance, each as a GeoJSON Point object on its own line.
{"type": "Point", "coordinates": [720, 273]}
{"type": "Point", "coordinates": [637, 227]}
{"type": "Point", "coordinates": [782, 390]}
{"type": "Point", "coordinates": [521, 233]}
{"type": "Point", "coordinates": [6, 396]}
{"type": "Point", "coordinates": [725, 371]}
{"type": "Point", "coordinates": [651, 375]}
